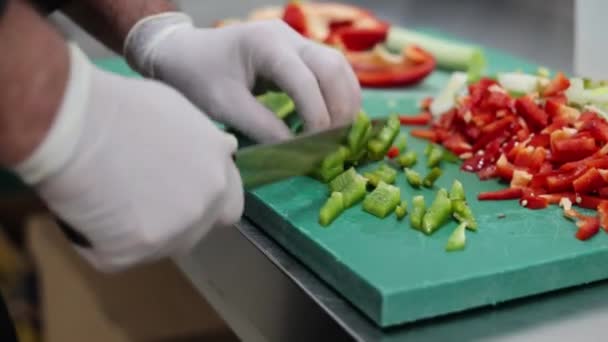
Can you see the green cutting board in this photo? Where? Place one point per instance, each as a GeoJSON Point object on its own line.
{"type": "Point", "coordinates": [393, 273]}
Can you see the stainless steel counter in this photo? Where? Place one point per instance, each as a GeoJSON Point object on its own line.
{"type": "Point", "coordinates": [265, 294]}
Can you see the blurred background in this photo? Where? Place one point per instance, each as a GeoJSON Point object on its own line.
{"type": "Point", "coordinates": [534, 29]}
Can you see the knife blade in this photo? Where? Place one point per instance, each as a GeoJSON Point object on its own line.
{"type": "Point", "coordinates": [268, 163]}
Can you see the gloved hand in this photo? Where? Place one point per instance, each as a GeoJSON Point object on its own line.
{"type": "Point", "coordinates": [217, 68]}
{"type": "Point", "coordinates": [133, 166]}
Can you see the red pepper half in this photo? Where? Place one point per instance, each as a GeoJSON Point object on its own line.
{"type": "Point", "coordinates": [375, 71]}
{"type": "Point", "coordinates": [416, 120]}
{"type": "Point", "coordinates": [498, 195]}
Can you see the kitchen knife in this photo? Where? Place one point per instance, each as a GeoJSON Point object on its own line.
{"type": "Point", "coordinates": [268, 163]}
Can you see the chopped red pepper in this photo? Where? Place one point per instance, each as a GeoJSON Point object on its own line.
{"type": "Point", "coordinates": [602, 211]}
{"type": "Point", "coordinates": [589, 181]}
{"type": "Point", "coordinates": [557, 85]}
{"type": "Point", "coordinates": [587, 228]}
{"type": "Point", "coordinates": [488, 172]}
{"type": "Point", "coordinates": [504, 169]}
{"type": "Point", "coordinates": [426, 103]}
{"type": "Point", "coordinates": [424, 134]}
{"type": "Point", "coordinates": [571, 149]}
{"type": "Point", "coordinates": [420, 119]}
{"type": "Point", "coordinates": [457, 144]}
{"type": "Point", "coordinates": [393, 152]}
{"type": "Point", "coordinates": [498, 195]}
{"type": "Point", "coordinates": [536, 117]}
{"type": "Point", "coordinates": [540, 140]}
{"type": "Point", "coordinates": [479, 89]}
{"type": "Point", "coordinates": [532, 201]}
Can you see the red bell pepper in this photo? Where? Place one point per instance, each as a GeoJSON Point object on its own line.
{"type": "Point", "coordinates": [498, 195]}
{"type": "Point", "coordinates": [359, 38]}
{"type": "Point", "coordinates": [374, 71]}
{"type": "Point", "coordinates": [603, 192]}
{"type": "Point", "coordinates": [602, 211]}
{"type": "Point", "coordinates": [587, 228]}
{"type": "Point", "coordinates": [536, 117]}
{"type": "Point", "coordinates": [421, 119]}
{"type": "Point", "coordinates": [478, 89]}
{"type": "Point", "coordinates": [557, 85]}
{"type": "Point", "coordinates": [598, 129]}
{"type": "Point", "coordinates": [589, 181]}
{"type": "Point", "coordinates": [540, 140]}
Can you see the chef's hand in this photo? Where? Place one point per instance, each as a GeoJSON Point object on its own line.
{"type": "Point", "coordinates": [134, 167]}
{"type": "Point", "coordinates": [217, 68]}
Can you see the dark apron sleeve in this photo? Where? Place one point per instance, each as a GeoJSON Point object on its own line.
{"type": "Point", "coordinates": [2, 7]}
{"type": "Point", "coordinates": [7, 330]}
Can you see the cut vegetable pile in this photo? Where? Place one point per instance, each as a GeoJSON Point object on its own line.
{"type": "Point", "coordinates": [380, 54]}
{"type": "Point", "coordinates": [346, 187]}
{"type": "Point", "coordinates": [547, 138]}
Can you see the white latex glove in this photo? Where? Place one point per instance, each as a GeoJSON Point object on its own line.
{"type": "Point", "coordinates": [217, 68]}
{"type": "Point", "coordinates": [133, 166]}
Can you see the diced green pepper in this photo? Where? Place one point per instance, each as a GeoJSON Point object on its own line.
{"type": "Point", "coordinates": [343, 180]}
{"type": "Point", "coordinates": [383, 173]}
{"type": "Point", "coordinates": [326, 175]}
{"type": "Point", "coordinates": [413, 177]}
{"type": "Point", "coordinates": [428, 148]}
{"type": "Point", "coordinates": [450, 157]}
{"type": "Point", "coordinates": [277, 102]}
{"type": "Point", "coordinates": [464, 214]}
{"type": "Point", "coordinates": [432, 177]}
{"type": "Point", "coordinates": [401, 143]}
{"type": "Point", "coordinates": [332, 208]}
{"type": "Point", "coordinates": [457, 239]}
{"type": "Point", "coordinates": [355, 191]}
{"type": "Point", "coordinates": [439, 212]}
{"type": "Point", "coordinates": [457, 191]}
{"type": "Point", "coordinates": [435, 157]}
{"type": "Point", "coordinates": [335, 158]}
{"type": "Point", "coordinates": [418, 210]}
{"type": "Point", "coordinates": [383, 200]}
{"type": "Point", "coordinates": [401, 210]}
{"type": "Point", "coordinates": [408, 159]}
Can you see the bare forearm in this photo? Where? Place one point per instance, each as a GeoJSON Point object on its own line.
{"type": "Point", "coordinates": [34, 67]}
{"type": "Point", "coordinates": [110, 20]}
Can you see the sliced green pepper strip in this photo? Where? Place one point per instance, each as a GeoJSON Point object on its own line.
{"type": "Point", "coordinates": [457, 240]}
{"type": "Point", "coordinates": [432, 177]}
{"type": "Point", "coordinates": [439, 213]}
{"type": "Point", "coordinates": [413, 177]}
{"type": "Point", "coordinates": [401, 210]}
{"type": "Point", "coordinates": [358, 131]}
{"type": "Point", "coordinates": [383, 200]}
{"type": "Point", "coordinates": [401, 143]}
{"type": "Point", "coordinates": [408, 159]}
{"type": "Point", "coordinates": [332, 208]}
{"type": "Point", "coordinates": [457, 191]}
{"type": "Point", "coordinates": [464, 214]}
{"type": "Point", "coordinates": [336, 158]}
{"type": "Point", "coordinates": [383, 173]}
{"type": "Point", "coordinates": [418, 210]}
{"type": "Point", "coordinates": [435, 157]}
{"type": "Point", "coordinates": [379, 145]}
